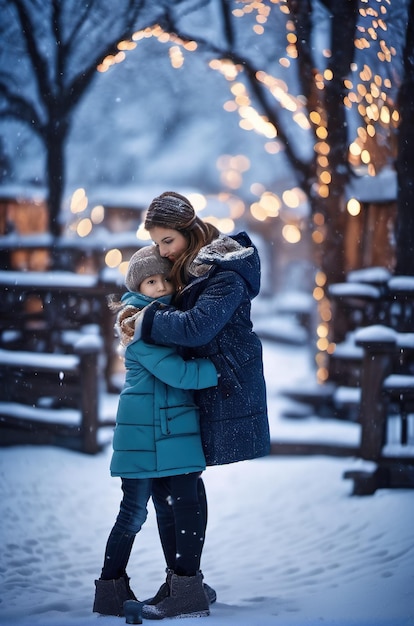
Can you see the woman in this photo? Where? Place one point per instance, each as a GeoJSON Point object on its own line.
{"type": "Point", "coordinates": [216, 277]}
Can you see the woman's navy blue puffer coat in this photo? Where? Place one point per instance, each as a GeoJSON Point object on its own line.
{"type": "Point", "coordinates": [213, 321]}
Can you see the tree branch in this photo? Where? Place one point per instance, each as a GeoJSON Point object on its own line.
{"type": "Point", "coordinates": [77, 86]}
{"type": "Point", "coordinates": [37, 59]}
{"type": "Point", "coordinates": [250, 72]}
{"type": "Point", "coordinates": [18, 108]}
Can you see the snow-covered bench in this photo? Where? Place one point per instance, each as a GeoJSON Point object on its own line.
{"type": "Point", "coordinates": [401, 303]}
{"type": "Point", "coordinates": [359, 301]}
{"type": "Point", "coordinates": [354, 305]}
{"type": "Point", "coordinates": [43, 311]}
{"type": "Point", "coordinates": [369, 296]}
{"type": "Point", "coordinates": [386, 408]}
{"type": "Point", "coordinates": [51, 398]}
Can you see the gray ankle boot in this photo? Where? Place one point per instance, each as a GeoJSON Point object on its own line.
{"type": "Point", "coordinates": [110, 596]}
{"type": "Point", "coordinates": [164, 590]}
{"type": "Point", "coordinates": [187, 598]}
{"type": "Point", "coordinates": [209, 591]}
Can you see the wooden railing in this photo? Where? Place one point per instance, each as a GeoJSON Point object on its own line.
{"type": "Point", "coordinates": [373, 328]}
{"type": "Point", "coordinates": [57, 353]}
{"type": "Point", "coordinates": [386, 409]}
{"type": "Point", "coordinates": [49, 398]}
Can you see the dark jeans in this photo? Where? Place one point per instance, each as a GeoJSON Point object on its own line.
{"type": "Point", "coordinates": [162, 496]}
{"type": "Point", "coordinates": [186, 534]}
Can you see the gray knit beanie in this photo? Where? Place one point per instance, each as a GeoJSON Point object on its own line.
{"type": "Point", "coordinates": [143, 263]}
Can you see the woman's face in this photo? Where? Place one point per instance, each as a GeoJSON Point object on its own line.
{"type": "Point", "coordinates": [171, 243]}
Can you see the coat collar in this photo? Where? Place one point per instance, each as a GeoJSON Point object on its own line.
{"type": "Point", "coordinates": [222, 251]}
{"type": "Point", "coordinates": [233, 254]}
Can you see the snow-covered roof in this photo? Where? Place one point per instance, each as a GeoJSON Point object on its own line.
{"type": "Point", "coordinates": [380, 188]}
{"type": "Point", "coordinates": [22, 192]}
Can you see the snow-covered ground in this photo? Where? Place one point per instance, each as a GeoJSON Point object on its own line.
{"type": "Point", "coordinates": [287, 544]}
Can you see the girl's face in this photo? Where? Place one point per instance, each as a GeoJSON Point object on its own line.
{"type": "Point", "coordinates": [171, 243]}
{"type": "Point", "coordinates": [156, 286]}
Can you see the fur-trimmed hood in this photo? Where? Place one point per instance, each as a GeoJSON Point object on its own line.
{"type": "Point", "coordinates": [236, 254]}
{"type": "Point", "coordinates": [128, 313]}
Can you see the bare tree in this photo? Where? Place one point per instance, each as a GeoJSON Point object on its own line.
{"type": "Point", "coordinates": [325, 91]}
{"type": "Point", "coordinates": [405, 159]}
{"type": "Point", "coordinates": [50, 52]}
{"type": "Point", "coordinates": [329, 103]}
{"type": "Point", "coordinates": [62, 43]}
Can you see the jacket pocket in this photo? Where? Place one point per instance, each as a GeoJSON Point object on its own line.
{"type": "Point", "coordinates": [179, 420]}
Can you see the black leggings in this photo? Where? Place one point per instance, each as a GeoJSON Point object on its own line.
{"type": "Point", "coordinates": [184, 539]}
{"type": "Point", "coordinates": [168, 517]}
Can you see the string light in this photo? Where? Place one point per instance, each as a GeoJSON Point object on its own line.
{"type": "Point", "coordinates": [369, 95]}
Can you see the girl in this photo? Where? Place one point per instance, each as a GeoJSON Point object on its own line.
{"type": "Point", "coordinates": [156, 436]}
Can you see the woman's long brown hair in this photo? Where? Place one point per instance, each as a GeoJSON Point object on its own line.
{"type": "Point", "coordinates": [200, 234]}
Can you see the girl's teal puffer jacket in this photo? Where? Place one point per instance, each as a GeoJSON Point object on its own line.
{"type": "Point", "coordinates": [157, 429]}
